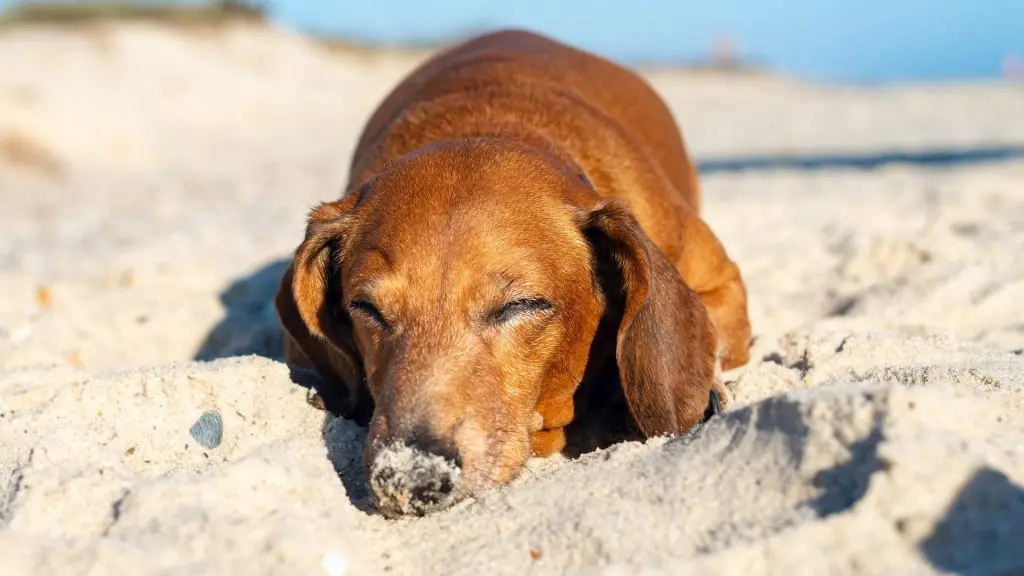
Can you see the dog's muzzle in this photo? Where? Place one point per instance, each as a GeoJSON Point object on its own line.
{"type": "Point", "coordinates": [414, 478]}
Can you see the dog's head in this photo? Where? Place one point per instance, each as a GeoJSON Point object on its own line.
{"type": "Point", "coordinates": [464, 285]}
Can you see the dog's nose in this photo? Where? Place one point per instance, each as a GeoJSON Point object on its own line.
{"type": "Point", "coordinates": [416, 475]}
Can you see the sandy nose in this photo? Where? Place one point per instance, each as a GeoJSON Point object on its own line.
{"type": "Point", "coordinates": [416, 476]}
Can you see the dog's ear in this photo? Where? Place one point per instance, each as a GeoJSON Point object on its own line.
{"type": "Point", "coordinates": [309, 304]}
{"type": "Point", "coordinates": [665, 345]}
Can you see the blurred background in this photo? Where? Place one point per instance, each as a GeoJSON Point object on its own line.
{"type": "Point", "coordinates": [862, 41]}
{"type": "Point", "coordinates": [844, 40]}
{"type": "Point", "coordinates": [158, 159]}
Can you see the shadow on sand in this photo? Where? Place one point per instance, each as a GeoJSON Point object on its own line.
{"type": "Point", "coordinates": [863, 161]}
{"type": "Point", "coordinates": [983, 529]}
{"type": "Point", "coordinates": [250, 324]}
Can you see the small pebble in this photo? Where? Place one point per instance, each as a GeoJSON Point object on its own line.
{"type": "Point", "coordinates": [208, 430]}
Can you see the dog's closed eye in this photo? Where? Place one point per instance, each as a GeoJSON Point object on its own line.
{"type": "Point", "coordinates": [369, 311]}
{"type": "Point", "coordinates": [520, 308]}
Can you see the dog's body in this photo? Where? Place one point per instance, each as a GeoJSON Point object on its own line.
{"type": "Point", "coordinates": [520, 228]}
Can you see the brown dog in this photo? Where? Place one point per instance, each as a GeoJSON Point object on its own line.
{"type": "Point", "coordinates": [518, 247]}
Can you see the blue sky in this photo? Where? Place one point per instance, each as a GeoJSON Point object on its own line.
{"type": "Point", "coordinates": [846, 40]}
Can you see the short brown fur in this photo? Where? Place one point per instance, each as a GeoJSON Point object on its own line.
{"type": "Point", "coordinates": [515, 169]}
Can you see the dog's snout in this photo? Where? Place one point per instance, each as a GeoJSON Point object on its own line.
{"type": "Point", "coordinates": [425, 441]}
{"type": "Point", "coordinates": [416, 475]}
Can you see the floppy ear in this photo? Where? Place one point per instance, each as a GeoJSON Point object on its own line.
{"type": "Point", "coordinates": [665, 345]}
{"type": "Point", "coordinates": [309, 304]}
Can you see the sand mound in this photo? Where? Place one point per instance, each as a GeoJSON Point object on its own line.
{"type": "Point", "coordinates": [897, 454]}
{"type": "Point", "coordinates": [879, 427]}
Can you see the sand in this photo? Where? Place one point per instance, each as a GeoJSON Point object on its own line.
{"type": "Point", "coordinates": [153, 181]}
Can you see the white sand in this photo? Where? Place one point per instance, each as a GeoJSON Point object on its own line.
{"type": "Point", "coordinates": [152, 182]}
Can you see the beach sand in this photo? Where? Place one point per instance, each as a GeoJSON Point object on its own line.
{"type": "Point", "coordinates": [154, 181]}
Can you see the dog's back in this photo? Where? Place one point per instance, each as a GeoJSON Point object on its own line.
{"type": "Point", "coordinates": [604, 117]}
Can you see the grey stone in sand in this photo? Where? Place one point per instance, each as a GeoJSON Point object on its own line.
{"type": "Point", "coordinates": [208, 430]}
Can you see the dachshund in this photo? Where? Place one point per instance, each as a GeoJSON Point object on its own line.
{"type": "Point", "coordinates": [517, 266]}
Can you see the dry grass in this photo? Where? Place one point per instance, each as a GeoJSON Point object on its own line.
{"type": "Point", "coordinates": [81, 13]}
